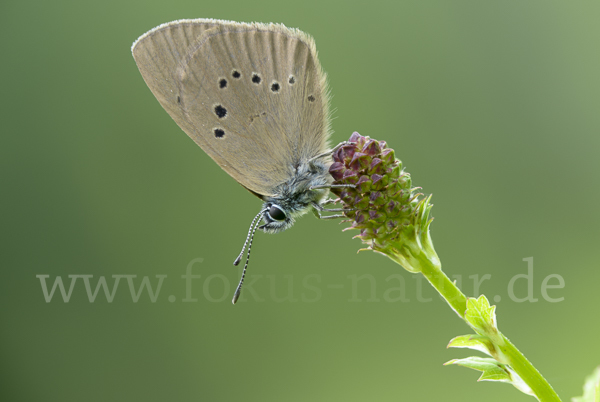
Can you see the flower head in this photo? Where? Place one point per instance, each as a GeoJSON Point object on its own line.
{"type": "Point", "coordinates": [389, 213]}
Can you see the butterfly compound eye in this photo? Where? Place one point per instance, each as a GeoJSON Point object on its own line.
{"type": "Point", "coordinates": [276, 213]}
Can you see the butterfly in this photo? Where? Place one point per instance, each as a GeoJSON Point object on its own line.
{"type": "Point", "coordinates": [254, 97]}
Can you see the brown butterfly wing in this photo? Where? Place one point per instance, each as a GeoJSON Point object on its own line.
{"type": "Point", "coordinates": [253, 96]}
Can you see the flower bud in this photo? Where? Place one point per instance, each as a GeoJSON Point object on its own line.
{"type": "Point", "coordinates": [385, 208]}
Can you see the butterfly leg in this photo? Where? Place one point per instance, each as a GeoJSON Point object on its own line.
{"type": "Point", "coordinates": [330, 201]}
{"type": "Point", "coordinates": [332, 186]}
{"type": "Point", "coordinates": [319, 216]}
{"type": "Point", "coordinates": [330, 152]}
{"type": "Point", "coordinates": [331, 216]}
{"type": "Point", "coordinates": [317, 209]}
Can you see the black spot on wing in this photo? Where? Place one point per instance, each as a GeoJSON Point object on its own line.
{"type": "Point", "coordinates": [220, 111]}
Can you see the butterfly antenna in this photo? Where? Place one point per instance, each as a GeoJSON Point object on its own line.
{"type": "Point", "coordinates": [238, 291]}
{"type": "Point", "coordinates": [239, 258]}
{"type": "Point", "coordinates": [253, 228]}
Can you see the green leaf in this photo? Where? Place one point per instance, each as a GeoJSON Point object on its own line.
{"type": "Point", "coordinates": [490, 368]}
{"type": "Point", "coordinates": [494, 371]}
{"type": "Point", "coordinates": [476, 342]}
{"type": "Point", "coordinates": [591, 388]}
{"type": "Point", "coordinates": [480, 343]}
{"type": "Point", "coordinates": [482, 318]}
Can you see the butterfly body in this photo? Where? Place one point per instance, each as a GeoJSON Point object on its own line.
{"type": "Point", "coordinates": [297, 196]}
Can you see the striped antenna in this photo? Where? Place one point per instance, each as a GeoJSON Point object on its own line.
{"type": "Point", "coordinates": [250, 237]}
{"type": "Point", "coordinates": [239, 258]}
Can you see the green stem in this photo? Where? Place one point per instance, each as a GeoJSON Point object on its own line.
{"type": "Point", "coordinates": [432, 270]}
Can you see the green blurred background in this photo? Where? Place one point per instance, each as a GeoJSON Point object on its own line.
{"type": "Point", "coordinates": [492, 106]}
